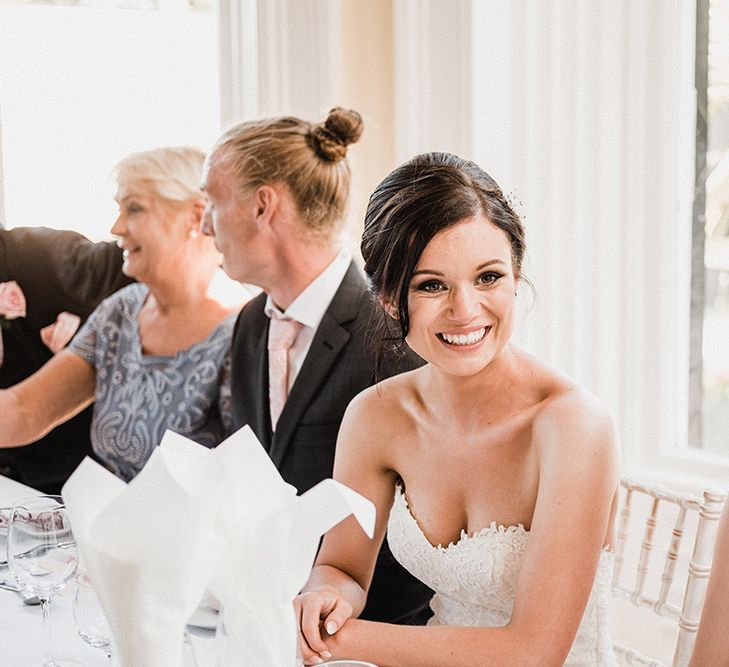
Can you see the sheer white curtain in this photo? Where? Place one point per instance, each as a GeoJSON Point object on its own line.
{"type": "Point", "coordinates": [279, 57]}
{"type": "Point", "coordinates": [239, 61]}
{"type": "Point", "coordinates": [583, 112]}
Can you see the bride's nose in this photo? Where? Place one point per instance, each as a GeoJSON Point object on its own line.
{"type": "Point", "coordinates": [462, 304]}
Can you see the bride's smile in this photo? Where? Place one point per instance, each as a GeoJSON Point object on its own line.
{"type": "Point", "coordinates": [468, 339]}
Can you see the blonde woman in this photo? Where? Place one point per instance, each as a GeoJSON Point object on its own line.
{"type": "Point", "coordinates": [156, 354]}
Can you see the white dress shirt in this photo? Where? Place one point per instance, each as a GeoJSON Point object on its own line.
{"type": "Point", "coordinates": [309, 308]}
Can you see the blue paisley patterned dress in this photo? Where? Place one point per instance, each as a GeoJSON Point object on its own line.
{"type": "Point", "coordinates": [139, 396]}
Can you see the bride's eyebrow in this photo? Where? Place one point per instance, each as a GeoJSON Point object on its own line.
{"type": "Point", "coordinates": [431, 272]}
{"type": "Point", "coordinates": [480, 267]}
{"type": "Point", "coordinates": [491, 262]}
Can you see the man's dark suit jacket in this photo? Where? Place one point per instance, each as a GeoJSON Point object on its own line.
{"type": "Point", "coordinates": [337, 367]}
{"type": "Point", "coordinates": [57, 270]}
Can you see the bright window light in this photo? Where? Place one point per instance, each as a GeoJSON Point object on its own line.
{"type": "Point", "coordinates": [84, 84]}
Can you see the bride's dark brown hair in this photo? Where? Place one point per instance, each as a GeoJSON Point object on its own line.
{"type": "Point", "coordinates": [422, 197]}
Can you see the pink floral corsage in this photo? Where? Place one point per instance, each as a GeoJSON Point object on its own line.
{"type": "Point", "coordinates": [12, 302]}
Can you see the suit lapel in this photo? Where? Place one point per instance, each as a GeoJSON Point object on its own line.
{"type": "Point", "coordinates": [253, 390]}
{"type": "Point", "coordinates": [330, 337]}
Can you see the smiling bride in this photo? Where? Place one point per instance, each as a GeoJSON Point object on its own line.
{"type": "Point", "coordinates": [494, 476]}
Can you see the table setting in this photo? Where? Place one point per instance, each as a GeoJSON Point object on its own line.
{"type": "Point", "coordinates": [194, 563]}
{"type": "Point", "coordinates": [21, 632]}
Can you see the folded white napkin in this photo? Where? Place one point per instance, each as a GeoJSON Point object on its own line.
{"type": "Point", "coordinates": [271, 537]}
{"type": "Point", "coordinates": [149, 546]}
{"type": "Point", "coordinates": [194, 518]}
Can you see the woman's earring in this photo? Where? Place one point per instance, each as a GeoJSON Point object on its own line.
{"type": "Point", "coordinates": [193, 233]}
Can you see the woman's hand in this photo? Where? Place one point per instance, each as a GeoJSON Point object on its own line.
{"type": "Point", "coordinates": [320, 614]}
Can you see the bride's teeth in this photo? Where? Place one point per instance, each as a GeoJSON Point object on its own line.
{"type": "Point", "coordinates": [464, 339]}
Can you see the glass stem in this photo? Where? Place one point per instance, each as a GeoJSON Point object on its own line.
{"type": "Point", "coordinates": [45, 605]}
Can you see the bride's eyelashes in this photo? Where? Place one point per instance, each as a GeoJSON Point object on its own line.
{"type": "Point", "coordinates": [432, 286]}
{"type": "Point", "coordinates": [489, 278]}
{"type": "Point", "coordinates": [429, 286]}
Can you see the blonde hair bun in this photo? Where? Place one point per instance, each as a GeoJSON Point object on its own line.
{"type": "Point", "coordinates": [341, 128]}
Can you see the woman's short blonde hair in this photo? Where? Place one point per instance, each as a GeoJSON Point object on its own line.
{"type": "Point", "coordinates": [173, 174]}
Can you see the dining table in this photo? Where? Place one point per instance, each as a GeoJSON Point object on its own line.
{"type": "Point", "coordinates": [22, 639]}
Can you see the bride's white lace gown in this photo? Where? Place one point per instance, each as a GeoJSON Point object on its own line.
{"type": "Point", "coordinates": [474, 580]}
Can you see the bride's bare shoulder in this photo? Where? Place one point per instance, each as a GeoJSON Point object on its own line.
{"type": "Point", "coordinates": [567, 414]}
{"type": "Point", "coordinates": [386, 403]}
{"type": "Point", "coordinates": [575, 420]}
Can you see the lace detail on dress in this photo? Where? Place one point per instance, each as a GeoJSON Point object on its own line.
{"type": "Point", "coordinates": [475, 579]}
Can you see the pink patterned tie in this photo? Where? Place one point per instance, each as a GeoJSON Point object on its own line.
{"type": "Point", "coordinates": [281, 337]}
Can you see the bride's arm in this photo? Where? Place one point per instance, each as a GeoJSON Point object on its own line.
{"type": "Point", "coordinates": [578, 479]}
{"type": "Point", "coordinates": [338, 584]}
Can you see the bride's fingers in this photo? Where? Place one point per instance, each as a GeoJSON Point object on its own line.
{"type": "Point", "coordinates": [311, 611]}
{"type": "Point", "coordinates": [307, 655]}
{"type": "Point", "coordinates": [305, 651]}
{"type": "Point", "coordinates": [337, 617]}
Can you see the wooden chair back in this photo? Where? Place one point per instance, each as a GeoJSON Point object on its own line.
{"type": "Point", "coordinates": [688, 613]}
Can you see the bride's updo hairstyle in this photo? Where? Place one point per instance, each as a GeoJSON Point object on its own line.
{"type": "Point", "coordinates": [422, 197]}
{"type": "Point", "coordinates": [309, 158]}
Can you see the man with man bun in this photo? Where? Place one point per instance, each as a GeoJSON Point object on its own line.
{"type": "Point", "coordinates": [278, 191]}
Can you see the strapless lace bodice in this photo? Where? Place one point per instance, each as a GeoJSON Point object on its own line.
{"type": "Point", "coordinates": [475, 579]}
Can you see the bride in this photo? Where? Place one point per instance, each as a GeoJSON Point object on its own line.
{"type": "Point", "coordinates": [494, 476]}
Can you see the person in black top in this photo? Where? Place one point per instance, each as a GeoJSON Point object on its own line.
{"type": "Point", "coordinates": [58, 271]}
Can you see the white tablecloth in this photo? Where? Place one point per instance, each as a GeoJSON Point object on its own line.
{"type": "Point", "coordinates": [21, 629]}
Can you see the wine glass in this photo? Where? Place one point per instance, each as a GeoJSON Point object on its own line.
{"type": "Point", "coordinates": [89, 617]}
{"type": "Point", "coordinates": [42, 555]}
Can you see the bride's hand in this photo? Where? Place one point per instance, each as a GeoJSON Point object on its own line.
{"type": "Point", "coordinates": [320, 614]}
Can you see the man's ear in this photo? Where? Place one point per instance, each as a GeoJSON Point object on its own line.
{"type": "Point", "coordinates": [265, 203]}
